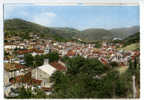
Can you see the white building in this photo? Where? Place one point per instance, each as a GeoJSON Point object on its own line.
{"type": "Point", "coordinates": [43, 73]}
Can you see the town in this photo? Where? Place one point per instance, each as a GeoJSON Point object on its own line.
{"type": "Point", "coordinates": [16, 72]}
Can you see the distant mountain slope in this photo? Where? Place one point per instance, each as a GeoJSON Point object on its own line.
{"type": "Point", "coordinates": [66, 32]}
{"type": "Point", "coordinates": [135, 38]}
{"type": "Point", "coordinates": [95, 34]}
{"type": "Point", "coordinates": [103, 34]}
{"type": "Point", "coordinates": [124, 32]}
{"type": "Point", "coordinates": [24, 28]}
{"type": "Point", "coordinates": [133, 46]}
{"type": "Point", "coordinates": [19, 26]}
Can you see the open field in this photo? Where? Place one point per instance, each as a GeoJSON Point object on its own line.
{"type": "Point", "coordinates": [131, 47]}
{"type": "Point", "coordinates": [121, 69]}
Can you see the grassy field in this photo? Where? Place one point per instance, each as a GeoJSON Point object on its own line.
{"type": "Point", "coordinates": [131, 47]}
{"type": "Point", "coordinates": [121, 69]}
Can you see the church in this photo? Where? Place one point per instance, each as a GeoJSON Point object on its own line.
{"type": "Point", "coordinates": [44, 72]}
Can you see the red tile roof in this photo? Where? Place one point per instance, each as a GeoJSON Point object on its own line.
{"type": "Point", "coordinates": [29, 51]}
{"type": "Point", "coordinates": [58, 66]}
{"type": "Point", "coordinates": [6, 58]}
{"type": "Point", "coordinates": [18, 66]}
{"type": "Point", "coordinates": [24, 51]}
{"type": "Point", "coordinates": [25, 79]}
{"type": "Point", "coordinates": [13, 66]}
{"type": "Point", "coordinates": [103, 61]}
{"type": "Point", "coordinates": [71, 53]}
{"type": "Point", "coordinates": [137, 53]}
{"type": "Point", "coordinates": [17, 79]}
{"type": "Point", "coordinates": [10, 43]}
{"type": "Point", "coordinates": [35, 81]}
{"type": "Point", "coordinates": [38, 51]}
{"type": "Point", "coordinates": [122, 64]}
{"type": "Point", "coordinates": [47, 89]}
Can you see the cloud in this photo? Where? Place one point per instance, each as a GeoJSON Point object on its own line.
{"type": "Point", "coordinates": [13, 11]}
{"type": "Point", "coordinates": [8, 10]}
{"type": "Point", "coordinates": [45, 18]}
{"type": "Point", "coordinates": [26, 12]}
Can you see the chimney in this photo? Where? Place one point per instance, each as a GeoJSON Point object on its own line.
{"type": "Point", "coordinates": [46, 61]}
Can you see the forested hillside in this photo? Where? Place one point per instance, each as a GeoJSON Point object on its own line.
{"type": "Point", "coordinates": [22, 28]}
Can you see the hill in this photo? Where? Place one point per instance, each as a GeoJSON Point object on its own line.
{"type": "Point", "coordinates": [103, 34]}
{"type": "Point", "coordinates": [95, 34]}
{"type": "Point", "coordinates": [133, 46]}
{"type": "Point", "coordinates": [21, 27]}
{"type": "Point", "coordinates": [124, 32]}
{"type": "Point", "coordinates": [131, 42]}
{"type": "Point", "coordinates": [135, 38]}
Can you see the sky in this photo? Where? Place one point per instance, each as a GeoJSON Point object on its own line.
{"type": "Point", "coordinates": [79, 17]}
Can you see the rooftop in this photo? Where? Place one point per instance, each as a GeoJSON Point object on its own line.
{"type": "Point", "coordinates": [13, 66]}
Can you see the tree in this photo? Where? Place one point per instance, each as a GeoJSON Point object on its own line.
{"type": "Point", "coordinates": [39, 60]}
{"type": "Point", "coordinates": [89, 78]}
{"type": "Point", "coordinates": [25, 93]}
{"type": "Point", "coordinates": [121, 89]}
{"type": "Point", "coordinates": [94, 67]}
{"type": "Point", "coordinates": [60, 84]}
{"type": "Point", "coordinates": [28, 93]}
{"type": "Point", "coordinates": [133, 70]}
{"type": "Point", "coordinates": [114, 64]}
{"type": "Point", "coordinates": [74, 64]}
{"type": "Point", "coordinates": [65, 59]}
{"type": "Point", "coordinates": [28, 58]}
{"type": "Point", "coordinates": [53, 56]}
{"type": "Point", "coordinates": [39, 93]}
{"type": "Point", "coordinates": [98, 45]}
{"type": "Point", "coordinates": [6, 53]}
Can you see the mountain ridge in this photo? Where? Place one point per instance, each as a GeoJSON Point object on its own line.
{"type": "Point", "coordinates": [18, 26]}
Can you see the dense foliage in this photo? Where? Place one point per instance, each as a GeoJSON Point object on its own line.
{"type": "Point", "coordinates": [89, 78]}
{"type": "Point", "coordinates": [28, 58]}
{"type": "Point", "coordinates": [22, 28]}
{"type": "Point", "coordinates": [53, 56]}
{"type": "Point", "coordinates": [135, 38]}
{"type": "Point", "coordinates": [29, 93]}
{"type": "Point", "coordinates": [33, 61]}
{"type": "Point", "coordinates": [95, 34]}
{"type": "Point", "coordinates": [98, 44]}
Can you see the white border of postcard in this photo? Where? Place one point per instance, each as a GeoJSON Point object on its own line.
{"type": "Point", "coordinates": [78, 2]}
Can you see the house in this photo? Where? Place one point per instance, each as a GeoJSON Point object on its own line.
{"type": "Point", "coordinates": [116, 38]}
{"type": "Point", "coordinates": [37, 52]}
{"type": "Point", "coordinates": [71, 53]}
{"type": "Point", "coordinates": [9, 46]}
{"type": "Point", "coordinates": [47, 90]}
{"type": "Point", "coordinates": [18, 81]}
{"type": "Point", "coordinates": [47, 50]}
{"type": "Point", "coordinates": [103, 60]}
{"type": "Point", "coordinates": [45, 71]}
{"type": "Point", "coordinates": [12, 74]}
{"type": "Point", "coordinates": [11, 70]}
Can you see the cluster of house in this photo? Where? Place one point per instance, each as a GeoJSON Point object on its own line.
{"type": "Point", "coordinates": [106, 54]}
{"type": "Point", "coordinates": [17, 74]}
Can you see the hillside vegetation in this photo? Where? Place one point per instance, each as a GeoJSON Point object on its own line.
{"type": "Point", "coordinates": [135, 38]}
{"type": "Point", "coordinates": [132, 42]}
{"type": "Point", "coordinates": [133, 46]}
{"type": "Point", "coordinates": [22, 28]}
{"type": "Point", "coordinates": [95, 34]}
{"type": "Point", "coordinates": [124, 32]}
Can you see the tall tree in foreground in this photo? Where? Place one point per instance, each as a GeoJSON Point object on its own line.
{"type": "Point", "coordinates": [52, 56]}
{"type": "Point", "coordinates": [28, 58]}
